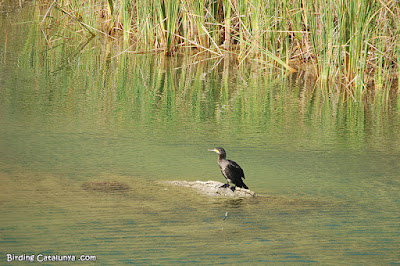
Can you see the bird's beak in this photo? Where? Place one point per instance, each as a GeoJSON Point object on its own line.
{"type": "Point", "coordinates": [214, 150]}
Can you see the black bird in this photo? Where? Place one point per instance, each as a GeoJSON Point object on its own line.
{"type": "Point", "coordinates": [230, 170]}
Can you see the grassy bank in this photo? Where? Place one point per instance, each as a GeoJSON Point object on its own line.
{"type": "Point", "coordinates": [354, 44]}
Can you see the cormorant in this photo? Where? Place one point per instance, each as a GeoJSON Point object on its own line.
{"type": "Point", "coordinates": [230, 170]}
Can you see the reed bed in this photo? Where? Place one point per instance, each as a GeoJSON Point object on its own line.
{"type": "Point", "coordinates": [354, 44]}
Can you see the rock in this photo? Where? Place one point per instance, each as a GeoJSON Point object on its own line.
{"type": "Point", "coordinates": [213, 188]}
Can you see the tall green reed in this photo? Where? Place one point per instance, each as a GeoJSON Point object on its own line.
{"type": "Point", "coordinates": [339, 38]}
{"type": "Point", "coordinates": [169, 15]}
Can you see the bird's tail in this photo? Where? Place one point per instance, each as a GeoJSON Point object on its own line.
{"type": "Point", "coordinates": [243, 185]}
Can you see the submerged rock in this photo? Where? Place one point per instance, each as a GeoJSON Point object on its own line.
{"type": "Point", "coordinates": [213, 188]}
{"type": "Point", "coordinates": [105, 186]}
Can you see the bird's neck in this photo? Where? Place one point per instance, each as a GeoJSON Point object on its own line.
{"type": "Point", "coordinates": [221, 157]}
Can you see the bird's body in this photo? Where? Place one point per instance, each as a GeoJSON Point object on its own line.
{"type": "Point", "coordinates": [230, 169]}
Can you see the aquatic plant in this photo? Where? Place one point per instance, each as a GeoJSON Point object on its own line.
{"type": "Point", "coordinates": [354, 44]}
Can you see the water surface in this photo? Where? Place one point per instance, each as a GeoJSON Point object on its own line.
{"type": "Point", "coordinates": [325, 168]}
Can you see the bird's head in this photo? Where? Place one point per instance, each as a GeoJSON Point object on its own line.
{"type": "Point", "coordinates": [218, 150]}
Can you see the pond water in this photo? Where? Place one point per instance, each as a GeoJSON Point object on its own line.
{"type": "Point", "coordinates": [325, 168]}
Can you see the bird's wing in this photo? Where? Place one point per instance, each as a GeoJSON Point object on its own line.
{"type": "Point", "coordinates": [233, 166]}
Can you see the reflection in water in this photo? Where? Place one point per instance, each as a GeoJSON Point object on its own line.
{"type": "Point", "coordinates": [325, 168]}
{"type": "Point", "coordinates": [233, 203]}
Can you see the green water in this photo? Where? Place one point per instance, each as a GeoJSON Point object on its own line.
{"type": "Point", "coordinates": [325, 168]}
